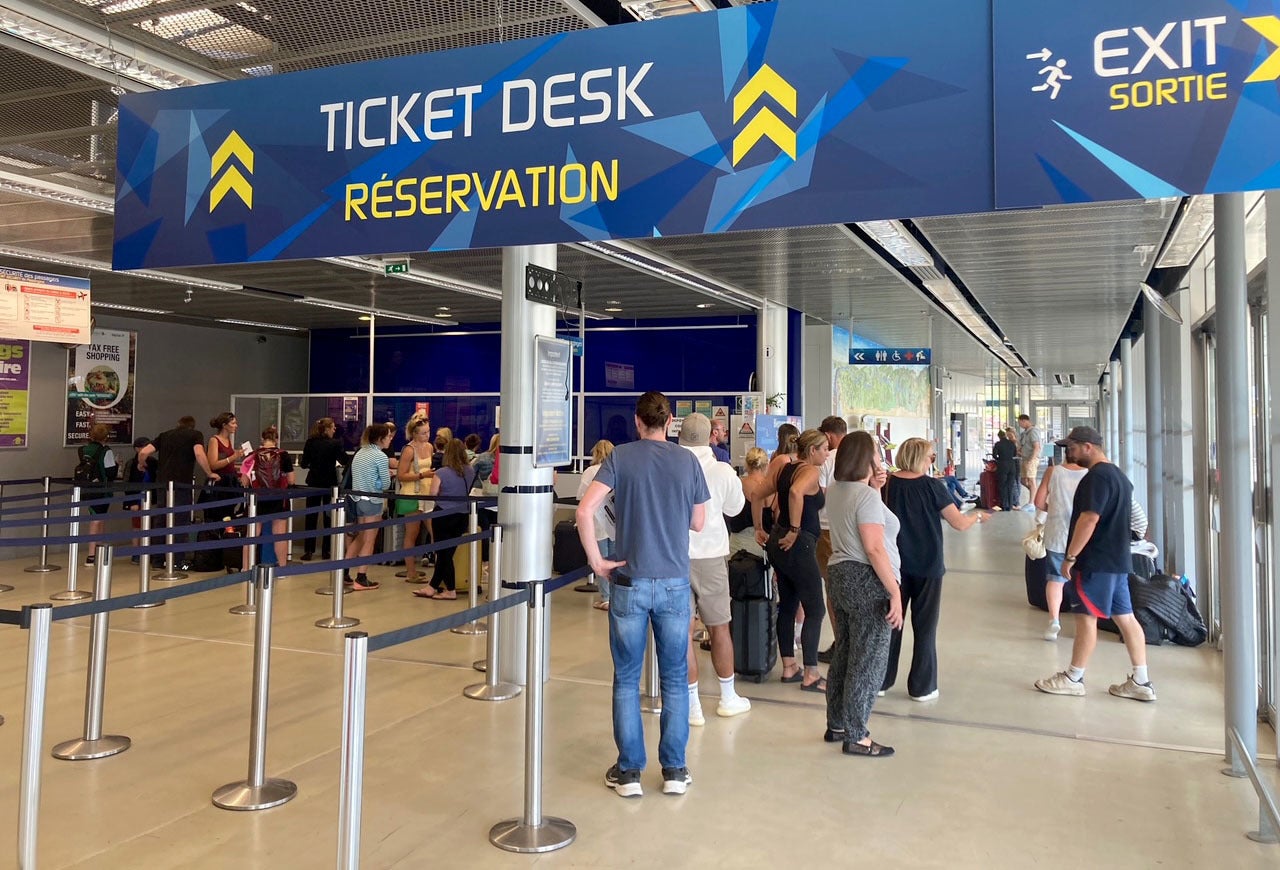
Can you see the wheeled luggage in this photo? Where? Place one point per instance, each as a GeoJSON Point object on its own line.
{"type": "Point", "coordinates": [567, 553]}
{"type": "Point", "coordinates": [754, 612]}
{"type": "Point", "coordinates": [989, 488]}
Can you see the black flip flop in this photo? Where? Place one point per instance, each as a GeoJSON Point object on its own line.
{"type": "Point", "coordinates": [794, 678]}
{"type": "Point", "coordinates": [818, 685]}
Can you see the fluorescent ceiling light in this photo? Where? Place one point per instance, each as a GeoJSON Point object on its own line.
{"type": "Point", "coordinates": [895, 238]}
{"type": "Point", "coordinates": [377, 312]}
{"type": "Point", "coordinates": [256, 324]}
{"type": "Point", "coordinates": [417, 276]}
{"type": "Point", "coordinates": [137, 309]}
{"type": "Point", "coordinates": [648, 10]}
{"type": "Point", "coordinates": [81, 41]}
{"type": "Point", "coordinates": [644, 260]}
{"type": "Point", "coordinates": [15, 182]}
{"type": "Point", "coordinates": [1189, 233]}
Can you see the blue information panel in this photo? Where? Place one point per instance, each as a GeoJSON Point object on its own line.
{"type": "Point", "coordinates": [552, 391]}
{"type": "Point", "coordinates": [1117, 99]}
{"type": "Point", "coordinates": [773, 114]}
{"type": "Point", "coordinates": [889, 356]}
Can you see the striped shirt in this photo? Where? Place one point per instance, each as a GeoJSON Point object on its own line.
{"type": "Point", "coordinates": [369, 471]}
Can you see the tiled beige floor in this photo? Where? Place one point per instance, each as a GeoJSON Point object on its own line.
{"type": "Point", "coordinates": [993, 774]}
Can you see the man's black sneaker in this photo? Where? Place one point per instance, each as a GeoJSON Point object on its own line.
{"type": "Point", "coordinates": [824, 655]}
{"type": "Point", "coordinates": [676, 780]}
{"type": "Point", "coordinates": [625, 782]}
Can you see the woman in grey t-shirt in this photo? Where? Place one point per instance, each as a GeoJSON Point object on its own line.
{"type": "Point", "coordinates": [862, 587]}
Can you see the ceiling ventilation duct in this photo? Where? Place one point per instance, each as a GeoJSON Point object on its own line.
{"type": "Point", "coordinates": [647, 10]}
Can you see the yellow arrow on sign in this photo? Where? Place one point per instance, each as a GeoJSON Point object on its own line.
{"type": "Point", "coordinates": [1269, 69]}
{"type": "Point", "coordinates": [764, 82]}
{"type": "Point", "coordinates": [231, 182]}
{"type": "Point", "coordinates": [232, 146]}
{"type": "Point", "coordinates": [766, 123]}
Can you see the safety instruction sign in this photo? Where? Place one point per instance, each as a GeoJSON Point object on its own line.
{"type": "Point", "coordinates": [42, 307]}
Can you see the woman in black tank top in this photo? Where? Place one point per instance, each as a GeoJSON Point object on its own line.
{"type": "Point", "coordinates": [792, 550]}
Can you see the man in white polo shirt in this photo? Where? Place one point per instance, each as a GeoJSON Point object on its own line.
{"type": "Point", "coordinates": [709, 570]}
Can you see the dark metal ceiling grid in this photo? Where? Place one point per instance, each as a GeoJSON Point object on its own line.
{"type": "Point", "coordinates": [1059, 281]}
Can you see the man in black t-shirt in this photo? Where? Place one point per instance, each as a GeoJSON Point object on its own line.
{"type": "Point", "coordinates": [1098, 561]}
{"type": "Point", "coordinates": [177, 453]}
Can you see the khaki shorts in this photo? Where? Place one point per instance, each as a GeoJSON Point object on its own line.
{"type": "Point", "coordinates": [1029, 468]}
{"type": "Point", "coordinates": [824, 552]}
{"type": "Point", "coordinates": [709, 582]}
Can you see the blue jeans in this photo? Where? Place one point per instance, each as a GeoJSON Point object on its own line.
{"type": "Point", "coordinates": [955, 490]}
{"type": "Point", "coordinates": [665, 603]}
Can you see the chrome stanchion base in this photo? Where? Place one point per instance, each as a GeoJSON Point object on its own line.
{"type": "Point", "coordinates": [243, 609]}
{"type": "Point", "coordinates": [477, 627]}
{"type": "Point", "coordinates": [589, 586]}
{"type": "Point", "coordinates": [1259, 837]}
{"type": "Point", "coordinates": [43, 568]}
{"type": "Point", "coordinates": [480, 665]}
{"type": "Point", "coordinates": [147, 606]}
{"type": "Point", "coordinates": [71, 595]}
{"type": "Point", "coordinates": [168, 578]}
{"type": "Point", "coordinates": [242, 796]}
{"type": "Point", "coordinates": [486, 692]}
{"type": "Point", "coordinates": [328, 590]}
{"type": "Point", "coordinates": [514, 835]}
{"type": "Point", "coordinates": [701, 635]}
{"type": "Point", "coordinates": [83, 750]}
{"type": "Point", "coordinates": [650, 705]}
{"type": "Point", "coordinates": [4, 587]}
{"type": "Point", "coordinates": [330, 622]}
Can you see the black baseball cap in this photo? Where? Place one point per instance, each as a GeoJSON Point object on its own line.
{"type": "Point", "coordinates": [1081, 435]}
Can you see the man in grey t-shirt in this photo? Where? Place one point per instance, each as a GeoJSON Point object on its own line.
{"type": "Point", "coordinates": [660, 494]}
{"type": "Point", "coordinates": [1030, 443]}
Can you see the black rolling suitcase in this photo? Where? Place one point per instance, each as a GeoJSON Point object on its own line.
{"type": "Point", "coordinates": [1036, 572]}
{"type": "Point", "coordinates": [567, 553]}
{"type": "Point", "coordinates": [754, 612]}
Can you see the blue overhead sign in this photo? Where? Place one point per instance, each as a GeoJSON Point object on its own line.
{"type": "Point", "coordinates": [889, 356]}
{"type": "Point", "coordinates": [773, 114]}
{"type": "Point", "coordinates": [1117, 99]}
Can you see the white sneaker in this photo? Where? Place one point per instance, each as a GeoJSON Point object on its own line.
{"type": "Point", "coordinates": [696, 719]}
{"type": "Point", "coordinates": [932, 696]}
{"type": "Point", "coordinates": [1061, 684]}
{"type": "Point", "coordinates": [880, 694]}
{"type": "Point", "coordinates": [1051, 633]}
{"type": "Point", "coordinates": [733, 706]}
{"type": "Point", "coordinates": [1130, 688]}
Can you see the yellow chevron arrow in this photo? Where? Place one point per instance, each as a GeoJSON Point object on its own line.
{"type": "Point", "coordinates": [233, 145]}
{"type": "Point", "coordinates": [231, 182]}
{"type": "Point", "coordinates": [766, 123]}
{"type": "Point", "coordinates": [765, 81]}
{"type": "Point", "coordinates": [1269, 69]}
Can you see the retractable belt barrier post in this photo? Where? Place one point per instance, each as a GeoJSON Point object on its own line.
{"type": "Point", "coordinates": [4, 587]}
{"type": "Point", "coordinates": [651, 686]}
{"type": "Point", "coordinates": [257, 792]}
{"type": "Point", "coordinates": [73, 555]}
{"type": "Point", "coordinates": [491, 689]}
{"type": "Point", "coordinates": [170, 575]}
{"type": "Point", "coordinates": [250, 606]}
{"type": "Point", "coordinates": [337, 620]}
{"type": "Point", "coordinates": [144, 558]}
{"type": "Point", "coordinates": [338, 548]}
{"type": "Point", "coordinates": [351, 783]}
{"type": "Point", "coordinates": [94, 744]}
{"type": "Point", "coordinates": [534, 832]}
{"type": "Point", "coordinates": [41, 616]}
{"type": "Point", "coordinates": [473, 592]}
{"type": "Point", "coordinates": [43, 567]}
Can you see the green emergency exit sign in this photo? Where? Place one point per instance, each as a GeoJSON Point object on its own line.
{"type": "Point", "coordinates": [397, 268]}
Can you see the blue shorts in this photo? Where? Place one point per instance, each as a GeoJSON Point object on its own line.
{"type": "Point", "coordinates": [1054, 566]}
{"type": "Point", "coordinates": [1101, 595]}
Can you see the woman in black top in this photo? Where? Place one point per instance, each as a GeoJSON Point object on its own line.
{"type": "Point", "coordinates": [920, 502]}
{"type": "Point", "coordinates": [322, 454]}
{"type": "Point", "coordinates": [792, 549]}
{"type": "Point", "coordinates": [1005, 452]}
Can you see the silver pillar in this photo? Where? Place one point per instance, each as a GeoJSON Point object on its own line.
{"type": "Point", "coordinates": [95, 744]}
{"type": "Point", "coordinates": [144, 560]}
{"type": "Point", "coordinates": [73, 554]}
{"type": "Point", "coordinates": [257, 792]}
{"type": "Point", "coordinates": [1273, 377]}
{"type": "Point", "coordinates": [1153, 324]}
{"type": "Point", "coordinates": [1126, 406]}
{"type": "Point", "coordinates": [525, 507]}
{"type": "Point", "coordinates": [33, 734]}
{"type": "Point", "coordinates": [1113, 411]}
{"type": "Point", "coordinates": [473, 592]}
{"type": "Point", "coordinates": [1239, 604]}
{"type": "Point", "coordinates": [338, 619]}
{"type": "Point", "coordinates": [171, 574]}
{"type": "Point", "coordinates": [771, 354]}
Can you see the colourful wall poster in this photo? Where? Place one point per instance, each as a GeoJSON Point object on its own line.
{"type": "Point", "coordinates": [101, 385]}
{"type": "Point", "coordinates": [684, 407]}
{"type": "Point", "coordinates": [43, 307]}
{"type": "Point", "coordinates": [702, 406]}
{"type": "Point", "coordinates": [15, 381]}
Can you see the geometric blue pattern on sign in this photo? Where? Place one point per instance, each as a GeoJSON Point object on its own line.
{"type": "Point", "coordinates": [1067, 189]}
{"type": "Point", "coordinates": [1143, 183]}
{"type": "Point", "coordinates": [457, 235]}
{"type": "Point", "coordinates": [689, 135]}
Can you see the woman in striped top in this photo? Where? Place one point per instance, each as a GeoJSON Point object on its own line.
{"type": "Point", "coordinates": [369, 473]}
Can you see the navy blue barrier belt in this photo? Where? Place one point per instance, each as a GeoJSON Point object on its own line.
{"type": "Point", "coordinates": [565, 579]}
{"type": "Point", "coordinates": [88, 608]}
{"type": "Point", "coordinates": [22, 481]}
{"type": "Point", "coordinates": [455, 499]}
{"type": "Point", "coordinates": [444, 623]}
{"type": "Point", "coordinates": [64, 519]}
{"type": "Point", "coordinates": [379, 558]}
{"type": "Point", "coordinates": [10, 617]}
{"type": "Point", "coordinates": [32, 496]}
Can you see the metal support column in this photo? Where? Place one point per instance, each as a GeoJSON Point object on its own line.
{"type": "Point", "coordinates": [1239, 601]}
{"type": "Point", "coordinates": [1126, 406]}
{"type": "Point", "coordinates": [1153, 323]}
{"type": "Point", "coordinates": [525, 506]}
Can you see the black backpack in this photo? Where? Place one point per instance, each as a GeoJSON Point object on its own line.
{"type": "Point", "coordinates": [89, 467]}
